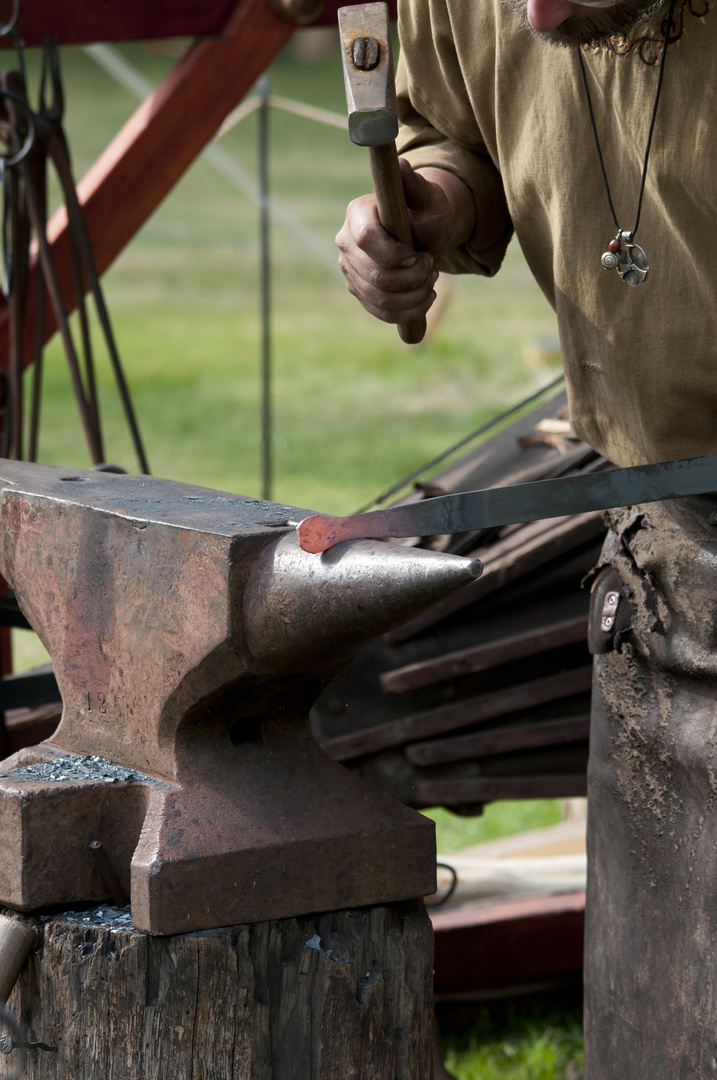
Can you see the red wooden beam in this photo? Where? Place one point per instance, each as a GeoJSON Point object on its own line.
{"type": "Point", "coordinates": [83, 21]}
{"type": "Point", "coordinates": [80, 21]}
{"type": "Point", "coordinates": [510, 944]}
{"type": "Point", "coordinates": [158, 143]}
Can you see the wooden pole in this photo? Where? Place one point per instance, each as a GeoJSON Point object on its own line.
{"type": "Point", "coordinates": [339, 996]}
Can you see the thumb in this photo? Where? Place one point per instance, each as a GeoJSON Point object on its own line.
{"type": "Point", "coordinates": [420, 193]}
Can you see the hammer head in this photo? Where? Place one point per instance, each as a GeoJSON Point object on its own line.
{"type": "Point", "coordinates": [368, 74]}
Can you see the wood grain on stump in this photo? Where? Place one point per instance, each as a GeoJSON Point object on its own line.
{"type": "Point", "coordinates": [345, 995]}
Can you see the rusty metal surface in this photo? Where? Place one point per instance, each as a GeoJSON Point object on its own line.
{"type": "Point", "coordinates": [190, 637]}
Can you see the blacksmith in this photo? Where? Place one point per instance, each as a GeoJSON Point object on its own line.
{"type": "Point", "coordinates": [589, 131]}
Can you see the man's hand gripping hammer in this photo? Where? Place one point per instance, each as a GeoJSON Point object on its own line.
{"type": "Point", "coordinates": [371, 100]}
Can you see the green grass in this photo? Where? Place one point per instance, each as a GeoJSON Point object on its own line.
{"type": "Point", "coordinates": [497, 820]}
{"type": "Point", "coordinates": [354, 409]}
{"type": "Point", "coordinates": [532, 1042]}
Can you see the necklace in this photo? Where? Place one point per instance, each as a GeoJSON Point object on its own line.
{"type": "Point", "coordinates": [623, 254]}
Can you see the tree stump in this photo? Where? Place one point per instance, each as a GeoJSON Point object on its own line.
{"type": "Point", "coordinates": [345, 995]}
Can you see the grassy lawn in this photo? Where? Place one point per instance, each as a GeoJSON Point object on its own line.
{"type": "Point", "coordinates": [354, 409]}
{"type": "Point", "coordinates": [497, 820]}
{"type": "Point", "coordinates": [532, 1041]}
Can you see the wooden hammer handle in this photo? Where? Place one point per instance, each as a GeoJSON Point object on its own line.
{"type": "Point", "coordinates": [393, 215]}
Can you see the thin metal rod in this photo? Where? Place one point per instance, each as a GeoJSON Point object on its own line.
{"type": "Point", "coordinates": [55, 293]}
{"type": "Point", "coordinates": [265, 258]}
{"type": "Point", "coordinates": [59, 153]}
{"type": "Point", "coordinates": [16, 311]}
{"type": "Point", "coordinates": [482, 430]}
{"type": "Point", "coordinates": [90, 381]}
{"type": "Point", "coordinates": [40, 174]}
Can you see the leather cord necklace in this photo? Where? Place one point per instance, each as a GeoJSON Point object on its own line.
{"type": "Point", "coordinates": [623, 254]}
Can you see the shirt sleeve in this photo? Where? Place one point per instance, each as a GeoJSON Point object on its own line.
{"type": "Point", "coordinates": [440, 130]}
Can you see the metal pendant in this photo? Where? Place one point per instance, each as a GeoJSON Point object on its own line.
{"type": "Point", "coordinates": [628, 258]}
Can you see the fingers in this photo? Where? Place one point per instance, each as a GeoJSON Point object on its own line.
{"type": "Point", "coordinates": [390, 280]}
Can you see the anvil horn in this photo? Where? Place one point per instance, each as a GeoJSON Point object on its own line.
{"type": "Point", "coordinates": [311, 613]}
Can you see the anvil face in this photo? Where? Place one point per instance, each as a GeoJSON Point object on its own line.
{"type": "Point", "coordinates": [190, 636]}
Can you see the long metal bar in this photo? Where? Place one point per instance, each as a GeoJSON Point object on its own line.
{"type": "Point", "coordinates": [470, 510]}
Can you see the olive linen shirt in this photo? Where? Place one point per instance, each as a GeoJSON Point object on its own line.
{"type": "Point", "coordinates": [482, 97]}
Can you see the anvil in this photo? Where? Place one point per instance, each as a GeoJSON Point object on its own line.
{"type": "Point", "coordinates": [190, 636]}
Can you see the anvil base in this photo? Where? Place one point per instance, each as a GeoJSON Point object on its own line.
{"type": "Point", "coordinates": [263, 833]}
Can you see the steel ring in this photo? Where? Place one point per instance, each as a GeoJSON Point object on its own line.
{"type": "Point", "coordinates": [10, 26]}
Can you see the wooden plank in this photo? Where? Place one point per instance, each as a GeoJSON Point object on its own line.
{"type": "Point", "coordinates": [450, 717]}
{"type": "Point", "coordinates": [486, 947]}
{"type": "Point", "coordinates": [157, 144]}
{"type": "Point", "coordinates": [502, 740]}
{"type": "Point", "coordinates": [523, 556]}
{"type": "Point", "coordinates": [492, 788]}
{"type": "Point", "coordinates": [481, 657]}
{"type": "Point", "coordinates": [27, 727]}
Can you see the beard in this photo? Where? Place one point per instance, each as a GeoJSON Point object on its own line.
{"type": "Point", "coordinates": [599, 25]}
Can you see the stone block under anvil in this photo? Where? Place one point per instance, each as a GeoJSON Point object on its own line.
{"type": "Point", "coordinates": [190, 636]}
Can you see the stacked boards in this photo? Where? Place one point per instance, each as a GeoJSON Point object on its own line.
{"type": "Point", "coordinates": [486, 695]}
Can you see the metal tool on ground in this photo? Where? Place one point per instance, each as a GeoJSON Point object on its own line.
{"type": "Point", "coordinates": [472, 510]}
{"type": "Point", "coordinates": [190, 636]}
{"type": "Point", "coordinates": [371, 100]}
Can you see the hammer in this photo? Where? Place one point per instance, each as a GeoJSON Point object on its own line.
{"type": "Point", "coordinates": [371, 100]}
